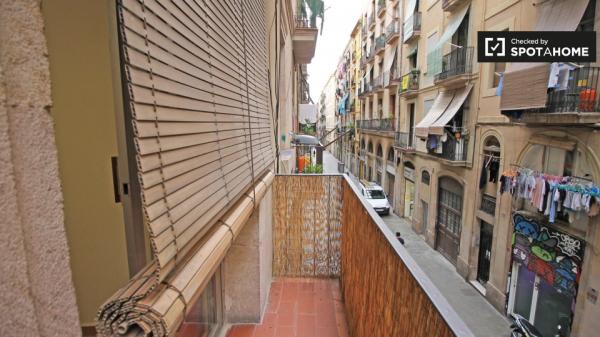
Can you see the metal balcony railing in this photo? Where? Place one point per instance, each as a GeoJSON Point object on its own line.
{"type": "Point", "coordinates": [392, 30]}
{"type": "Point", "coordinates": [409, 82]}
{"type": "Point", "coordinates": [384, 124]}
{"type": "Point", "coordinates": [582, 93]}
{"type": "Point", "coordinates": [412, 26]}
{"type": "Point", "coordinates": [371, 20]}
{"type": "Point", "coordinates": [454, 149]}
{"type": "Point", "coordinates": [386, 79]}
{"type": "Point", "coordinates": [395, 74]}
{"type": "Point", "coordinates": [304, 22]}
{"type": "Point", "coordinates": [381, 6]}
{"type": "Point", "coordinates": [371, 53]}
{"type": "Point", "coordinates": [405, 140]}
{"type": "Point", "coordinates": [380, 43]}
{"type": "Point", "coordinates": [457, 62]}
{"type": "Point", "coordinates": [488, 204]}
{"type": "Point", "coordinates": [378, 82]}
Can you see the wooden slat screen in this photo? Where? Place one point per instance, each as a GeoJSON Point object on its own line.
{"type": "Point", "coordinates": [196, 74]}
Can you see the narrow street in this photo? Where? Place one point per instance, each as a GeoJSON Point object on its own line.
{"type": "Point", "coordinates": [330, 163]}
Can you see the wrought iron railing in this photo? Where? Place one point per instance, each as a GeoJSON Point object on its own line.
{"type": "Point", "coordinates": [304, 22]}
{"type": "Point", "coordinates": [582, 92]}
{"type": "Point", "coordinates": [384, 124]}
{"type": "Point", "coordinates": [457, 62]}
{"type": "Point", "coordinates": [409, 82]}
{"type": "Point", "coordinates": [379, 43]}
{"type": "Point", "coordinates": [411, 26]}
{"type": "Point", "coordinates": [380, 6]}
{"type": "Point", "coordinates": [454, 149]}
{"type": "Point", "coordinates": [392, 30]}
{"type": "Point", "coordinates": [395, 74]}
{"type": "Point", "coordinates": [488, 204]}
{"type": "Point", "coordinates": [378, 82]}
{"type": "Point", "coordinates": [405, 140]}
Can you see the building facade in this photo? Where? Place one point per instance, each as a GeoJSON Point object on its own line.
{"type": "Point", "coordinates": [434, 120]}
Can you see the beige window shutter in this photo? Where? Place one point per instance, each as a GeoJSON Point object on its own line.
{"type": "Point", "coordinates": [198, 90]}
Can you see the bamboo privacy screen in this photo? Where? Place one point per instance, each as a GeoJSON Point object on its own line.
{"type": "Point", "coordinates": [196, 77]}
{"type": "Point", "coordinates": [307, 225]}
{"type": "Point", "coordinates": [381, 295]}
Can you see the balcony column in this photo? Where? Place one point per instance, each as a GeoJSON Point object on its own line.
{"type": "Point", "coordinates": [247, 268]}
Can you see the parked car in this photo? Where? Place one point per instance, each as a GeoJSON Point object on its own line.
{"type": "Point", "coordinates": [376, 197]}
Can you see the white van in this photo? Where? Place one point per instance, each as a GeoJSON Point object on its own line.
{"type": "Point", "coordinates": [375, 196]}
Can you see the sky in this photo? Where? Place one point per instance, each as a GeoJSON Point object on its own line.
{"type": "Point", "coordinates": [340, 18]}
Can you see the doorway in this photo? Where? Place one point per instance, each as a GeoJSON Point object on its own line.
{"type": "Point", "coordinates": [449, 218]}
{"type": "Point", "coordinates": [485, 252]}
{"type": "Point", "coordinates": [540, 302]}
{"type": "Point", "coordinates": [409, 190]}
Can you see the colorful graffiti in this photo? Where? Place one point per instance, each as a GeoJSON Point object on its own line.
{"type": "Point", "coordinates": [553, 255]}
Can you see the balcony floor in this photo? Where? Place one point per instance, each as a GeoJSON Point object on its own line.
{"type": "Point", "coordinates": [300, 307]}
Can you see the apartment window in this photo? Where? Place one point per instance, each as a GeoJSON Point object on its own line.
{"type": "Point", "coordinates": [461, 37]}
{"type": "Point", "coordinates": [497, 70]}
{"type": "Point", "coordinates": [392, 108]}
{"type": "Point", "coordinates": [380, 107]}
{"type": "Point", "coordinates": [205, 317]}
{"type": "Point", "coordinates": [412, 59]}
{"type": "Point", "coordinates": [425, 178]}
{"type": "Point", "coordinates": [587, 21]}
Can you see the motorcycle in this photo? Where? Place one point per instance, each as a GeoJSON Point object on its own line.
{"type": "Point", "coordinates": [522, 328]}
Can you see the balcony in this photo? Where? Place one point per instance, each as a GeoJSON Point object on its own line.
{"type": "Point", "coordinates": [412, 27]}
{"type": "Point", "coordinates": [381, 7]}
{"type": "Point", "coordinates": [305, 40]}
{"type": "Point", "coordinates": [450, 5]}
{"type": "Point", "coordinates": [371, 53]}
{"type": "Point", "coordinates": [578, 104]}
{"type": "Point", "coordinates": [405, 141]}
{"type": "Point", "coordinates": [409, 84]}
{"type": "Point", "coordinates": [488, 204]}
{"type": "Point", "coordinates": [342, 238]}
{"type": "Point", "coordinates": [378, 83]}
{"type": "Point", "coordinates": [383, 125]}
{"type": "Point", "coordinates": [457, 66]}
{"type": "Point", "coordinates": [380, 44]}
{"type": "Point", "coordinates": [363, 62]}
{"type": "Point", "coordinates": [395, 75]}
{"type": "Point", "coordinates": [392, 32]}
{"type": "Point", "coordinates": [454, 151]}
{"type": "Point", "coordinates": [387, 79]}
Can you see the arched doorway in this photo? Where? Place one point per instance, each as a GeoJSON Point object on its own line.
{"type": "Point", "coordinates": [409, 190]}
{"type": "Point", "coordinates": [449, 218]}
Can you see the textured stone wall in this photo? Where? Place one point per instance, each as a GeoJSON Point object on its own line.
{"type": "Point", "coordinates": [36, 290]}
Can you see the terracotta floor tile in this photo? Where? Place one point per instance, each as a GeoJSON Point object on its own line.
{"type": "Point", "coordinates": [327, 331]}
{"type": "Point", "coordinates": [306, 305]}
{"type": "Point", "coordinates": [285, 331]}
{"type": "Point", "coordinates": [264, 331]}
{"type": "Point", "coordinates": [300, 308]}
{"type": "Point", "coordinates": [241, 331]}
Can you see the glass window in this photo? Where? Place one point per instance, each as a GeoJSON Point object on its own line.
{"type": "Point", "coordinates": [425, 177]}
{"type": "Point", "coordinates": [204, 318]}
{"type": "Point", "coordinates": [375, 194]}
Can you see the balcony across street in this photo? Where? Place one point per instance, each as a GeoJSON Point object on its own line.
{"type": "Point", "coordinates": [457, 62]}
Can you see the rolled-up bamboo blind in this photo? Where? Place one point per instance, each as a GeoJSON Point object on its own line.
{"type": "Point", "coordinates": [196, 77]}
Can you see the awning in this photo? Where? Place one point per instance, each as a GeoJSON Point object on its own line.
{"type": "Point", "coordinates": [561, 15]}
{"type": "Point", "coordinates": [389, 61]}
{"type": "Point", "coordinates": [440, 104]}
{"type": "Point", "coordinates": [525, 84]}
{"type": "Point", "coordinates": [410, 9]}
{"type": "Point", "coordinates": [460, 95]}
{"type": "Point", "coordinates": [434, 57]}
{"type": "Point", "coordinates": [525, 88]}
{"type": "Point", "coordinates": [412, 51]}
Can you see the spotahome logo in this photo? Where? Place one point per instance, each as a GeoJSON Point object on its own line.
{"type": "Point", "coordinates": [536, 46]}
